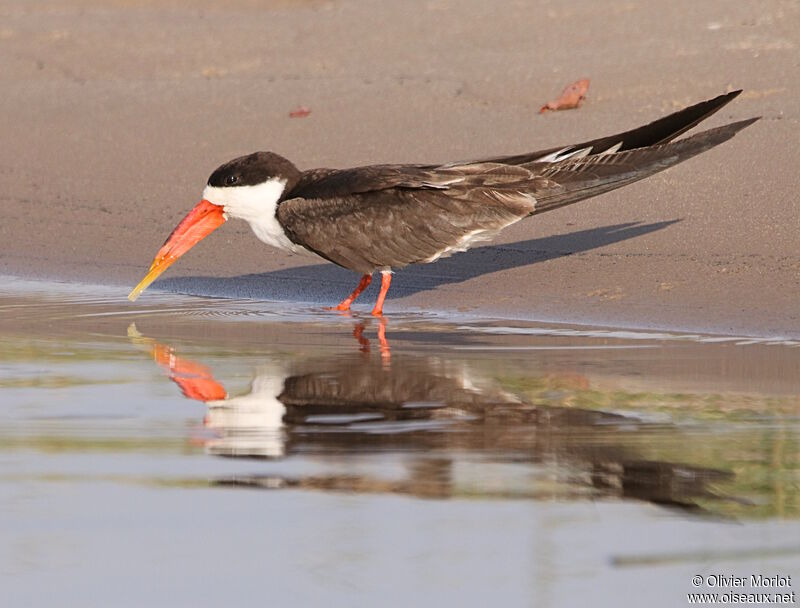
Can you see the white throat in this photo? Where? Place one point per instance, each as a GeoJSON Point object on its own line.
{"type": "Point", "coordinates": [257, 206]}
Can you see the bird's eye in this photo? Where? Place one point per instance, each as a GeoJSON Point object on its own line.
{"type": "Point", "coordinates": [231, 180]}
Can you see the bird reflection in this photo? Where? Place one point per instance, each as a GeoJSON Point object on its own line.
{"type": "Point", "coordinates": [457, 432]}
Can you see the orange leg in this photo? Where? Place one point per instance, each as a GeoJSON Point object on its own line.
{"type": "Point", "coordinates": [362, 285]}
{"type": "Point", "coordinates": [386, 280]}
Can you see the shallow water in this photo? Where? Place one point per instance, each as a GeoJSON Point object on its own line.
{"type": "Point", "coordinates": [190, 451]}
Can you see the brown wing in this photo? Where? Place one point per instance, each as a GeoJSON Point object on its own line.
{"type": "Point", "coordinates": [391, 216]}
{"type": "Point", "coordinates": [321, 183]}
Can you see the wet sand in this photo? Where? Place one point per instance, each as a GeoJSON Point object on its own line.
{"type": "Point", "coordinates": [116, 112]}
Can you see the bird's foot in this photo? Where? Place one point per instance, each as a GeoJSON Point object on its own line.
{"type": "Point", "coordinates": [341, 306]}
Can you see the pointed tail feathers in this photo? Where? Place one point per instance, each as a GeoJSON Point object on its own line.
{"type": "Point", "coordinates": [657, 132]}
{"type": "Point", "coordinates": [664, 129]}
{"type": "Point", "coordinates": [566, 182]}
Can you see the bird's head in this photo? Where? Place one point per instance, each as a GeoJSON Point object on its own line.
{"type": "Point", "coordinates": [248, 188]}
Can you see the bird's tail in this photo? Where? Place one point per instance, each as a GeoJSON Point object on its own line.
{"type": "Point", "coordinates": [573, 180]}
{"type": "Point", "coordinates": [659, 131]}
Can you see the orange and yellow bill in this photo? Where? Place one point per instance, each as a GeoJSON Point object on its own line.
{"type": "Point", "coordinates": [197, 225]}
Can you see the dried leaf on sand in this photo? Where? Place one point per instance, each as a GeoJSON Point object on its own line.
{"type": "Point", "coordinates": [571, 97]}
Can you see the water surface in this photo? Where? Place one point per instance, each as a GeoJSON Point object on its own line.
{"type": "Point", "coordinates": [190, 451]}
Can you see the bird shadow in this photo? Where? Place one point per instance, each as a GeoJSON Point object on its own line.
{"type": "Point", "coordinates": [327, 282]}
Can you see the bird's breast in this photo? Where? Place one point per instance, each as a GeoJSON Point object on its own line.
{"type": "Point", "coordinates": [268, 230]}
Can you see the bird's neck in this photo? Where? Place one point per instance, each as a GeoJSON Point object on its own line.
{"type": "Point", "coordinates": [256, 205]}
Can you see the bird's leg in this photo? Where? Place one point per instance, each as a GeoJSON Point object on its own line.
{"type": "Point", "coordinates": [362, 285]}
{"type": "Point", "coordinates": [386, 280]}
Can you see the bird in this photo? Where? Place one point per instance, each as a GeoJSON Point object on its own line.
{"type": "Point", "coordinates": [385, 217]}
